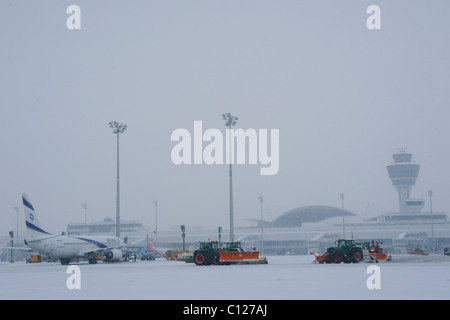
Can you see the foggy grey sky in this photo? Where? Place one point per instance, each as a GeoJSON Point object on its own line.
{"type": "Point", "coordinates": [344, 98]}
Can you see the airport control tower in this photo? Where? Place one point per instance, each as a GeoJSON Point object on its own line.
{"type": "Point", "coordinates": [403, 174]}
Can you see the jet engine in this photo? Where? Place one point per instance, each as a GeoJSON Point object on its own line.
{"type": "Point", "coordinates": [113, 255]}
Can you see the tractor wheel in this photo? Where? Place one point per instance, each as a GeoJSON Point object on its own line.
{"type": "Point", "coordinates": [356, 255]}
{"type": "Point", "coordinates": [337, 258]}
{"type": "Point", "coordinates": [201, 258]}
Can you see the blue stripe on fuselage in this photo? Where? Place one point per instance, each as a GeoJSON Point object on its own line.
{"type": "Point", "coordinates": [97, 243]}
{"type": "Point", "coordinates": [33, 227]}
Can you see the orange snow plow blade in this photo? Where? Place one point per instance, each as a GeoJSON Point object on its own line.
{"type": "Point", "coordinates": [321, 258]}
{"type": "Point", "coordinates": [242, 257]}
{"type": "Point", "coordinates": [376, 257]}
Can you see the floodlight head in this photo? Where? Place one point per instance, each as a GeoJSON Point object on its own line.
{"type": "Point", "coordinates": [230, 120]}
{"type": "Point", "coordinates": [113, 124]}
{"type": "Point", "coordinates": [118, 127]}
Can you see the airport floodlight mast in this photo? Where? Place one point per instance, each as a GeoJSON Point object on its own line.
{"type": "Point", "coordinates": [85, 217]}
{"type": "Point", "coordinates": [230, 121]}
{"type": "Point", "coordinates": [430, 194]}
{"type": "Point", "coordinates": [260, 198]}
{"type": "Point", "coordinates": [343, 215]}
{"type": "Point", "coordinates": [219, 230]}
{"type": "Point", "coordinates": [155, 203]}
{"type": "Point", "coordinates": [17, 223]}
{"type": "Point", "coordinates": [118, 128]}
{"type": "Point", "coordinates": [11, 235]}
{"type": "Point", "coordinates": [183, 234]}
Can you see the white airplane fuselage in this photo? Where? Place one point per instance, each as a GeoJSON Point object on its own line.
{"type": "Point", "coordinates": [70, 247]}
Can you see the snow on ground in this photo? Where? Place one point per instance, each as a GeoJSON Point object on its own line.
{"type": "Point", "coordinates": [284, 278]}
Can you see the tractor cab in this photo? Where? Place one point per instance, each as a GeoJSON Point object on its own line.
{"type": "Point", "coordinates": [209, 245]}
{"type": "Point", "coordinates": [346, 243]}
{"type": "Point", "coordinates": [373, 247]}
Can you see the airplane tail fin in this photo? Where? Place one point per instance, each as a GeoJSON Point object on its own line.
{"type": "Point", "coordinates": [149, 247]}
{"type": "Point", "coordinates": [31, 219]}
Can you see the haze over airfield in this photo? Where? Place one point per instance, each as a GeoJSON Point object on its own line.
{"type": "Point", "coordinates": [343, 97]}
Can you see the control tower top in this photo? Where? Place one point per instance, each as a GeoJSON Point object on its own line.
{"type": "Point", "coordinates": [403, 174]}
{"type": "Point", "coordinates": [402, 156]}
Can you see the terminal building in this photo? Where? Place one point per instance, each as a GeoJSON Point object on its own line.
{"type": "Point", "coordinates": [107, 226]}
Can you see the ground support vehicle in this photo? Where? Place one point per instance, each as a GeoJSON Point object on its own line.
{"type": "Point", "coordinates": [418, 251]}
{"type": "Point", "coordinates": [346, 250]}
{"type": "Point", "coordinates": [374, 253]}
{"type": "Point", "coordinates": [148, 256]}
{"type": "Point", "coordinates": [34, 258]}
{"type": "Point", "coordinates": [179, 255]}
{"type": "Point", "coordinates": [186, 256]}
{"type": "Point", "coordinates": [210, 252]}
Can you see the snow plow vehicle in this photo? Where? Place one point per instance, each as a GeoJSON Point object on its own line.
{"type": "Point", "coordinates": [34, 258]}
{"type": "Point", "coordinates": [346, 250]}
{"type": "Point", "coordinates": [374, 253]}
{"type": "Point", "coordinates": [176, 255]}
{"type": "Point", "coordinates": [232, 253]}
{"type": "Point", "coordinates": [418, 251]}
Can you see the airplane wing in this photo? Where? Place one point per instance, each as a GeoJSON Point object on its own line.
{"type": "Point", "coordinates": [18, 248]}
{"type": "Point", "coordinates": [114, 252]}
{"type": "Point", "coordinates": [111, 253]}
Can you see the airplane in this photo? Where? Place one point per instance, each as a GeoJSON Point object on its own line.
{"type": "Point", "coordinates": [153, 252]}
{"type": "Point", "coordinates": [149, 252]}
{"type": "Point", "coordinates": [69, 248]}
{"type": "Point", "coordinates": [156, 253]}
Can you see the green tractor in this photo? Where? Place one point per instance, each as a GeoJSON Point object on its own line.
{"type": "Point", "coordinates": [346, 250]}
{"type": "Point", "coordinates": [207, 254]}
{"type": "Point", "coordinates": [231, 253]}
